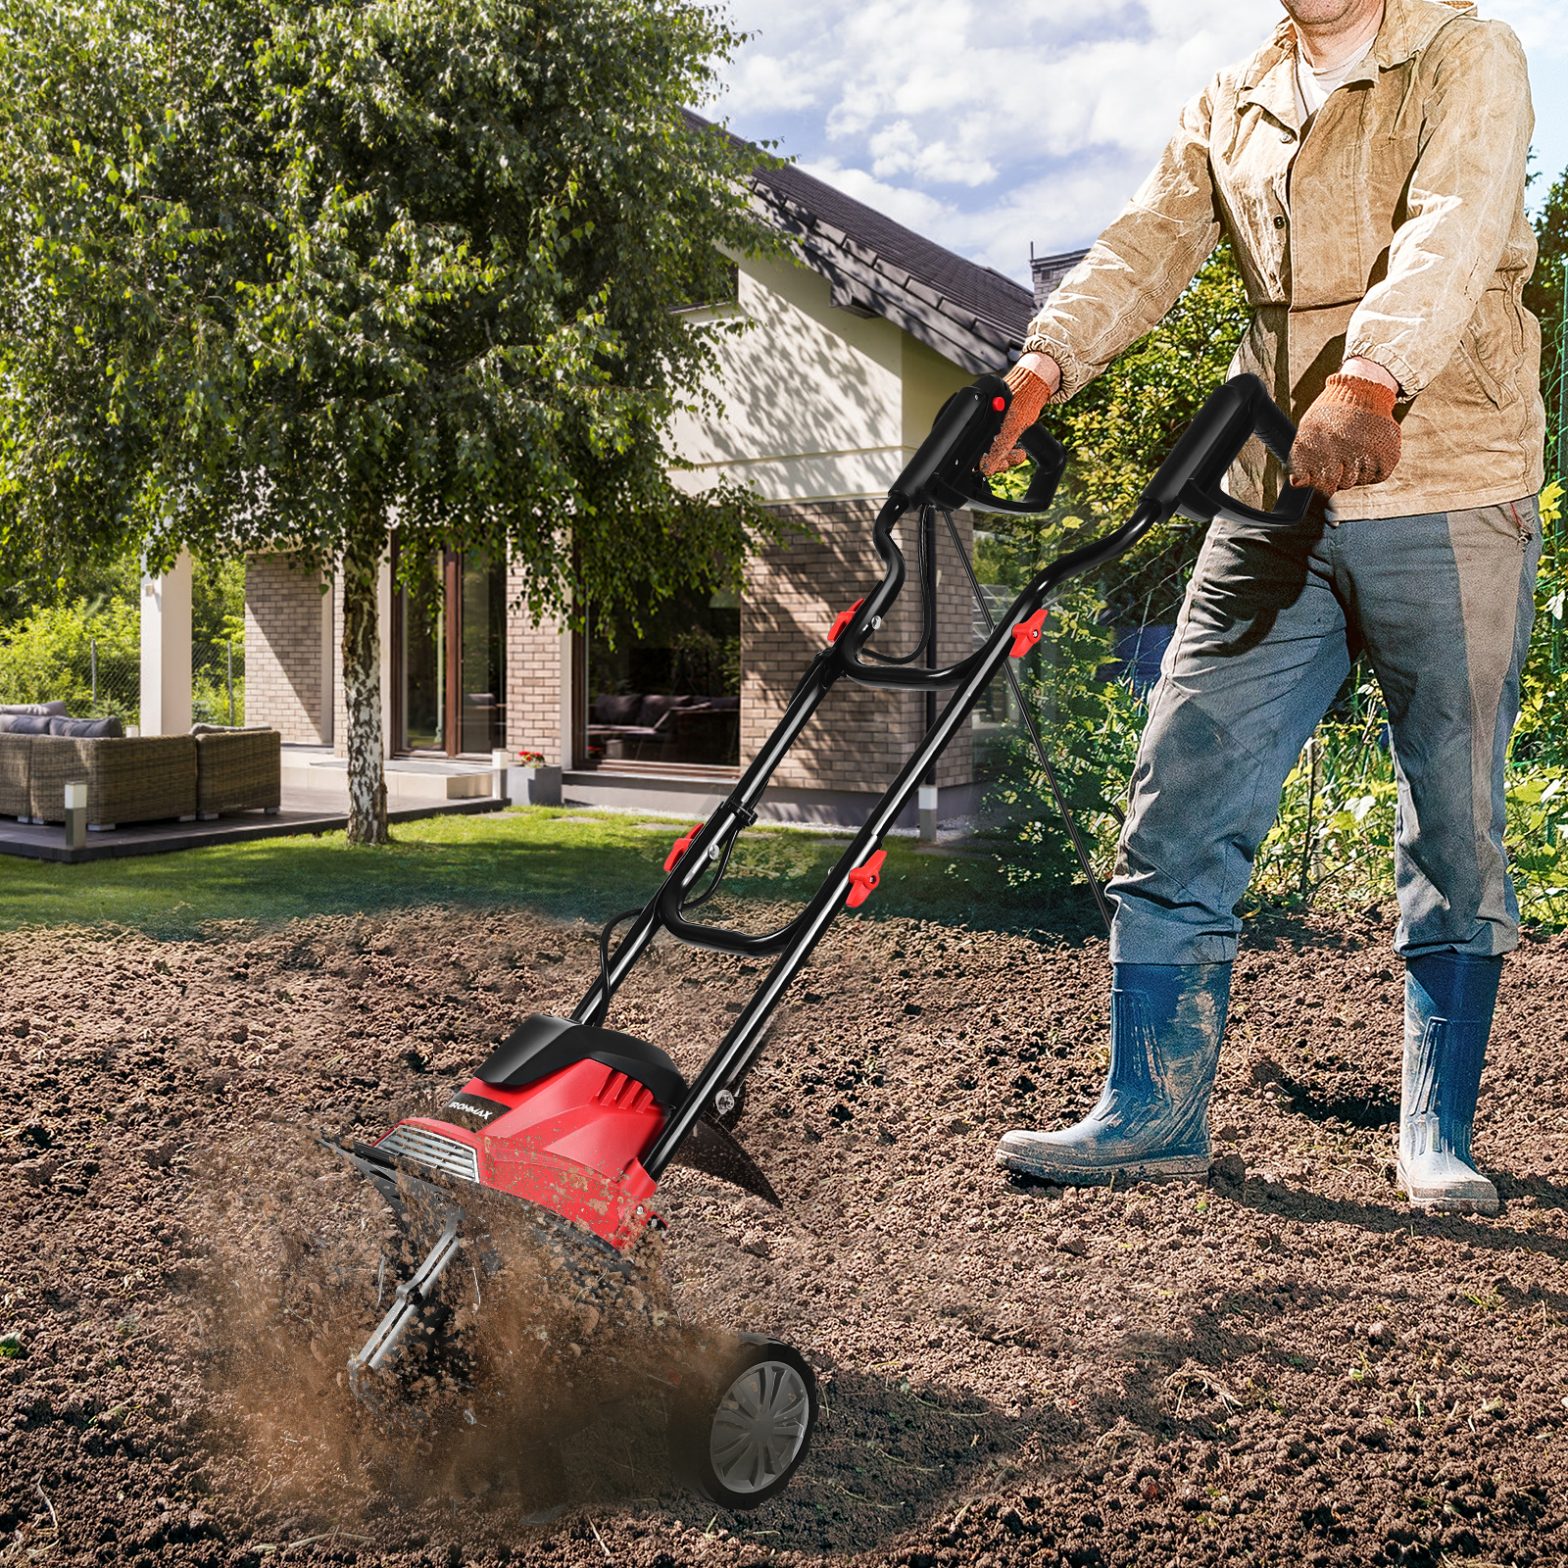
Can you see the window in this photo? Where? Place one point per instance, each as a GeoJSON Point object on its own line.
{"type": "Point", "coordinates": [669, 698]}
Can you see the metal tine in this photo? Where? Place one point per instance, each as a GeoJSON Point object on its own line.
{"type": "Point", "coordinates": [411, 1296]}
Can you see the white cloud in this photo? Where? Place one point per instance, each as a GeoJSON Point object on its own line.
{"type": "Point", "coordinates": [991, 124]}
{"type": "Point", "coordinates": [762, 82]}
{"type": "Point", "coordinates": [898, 149]}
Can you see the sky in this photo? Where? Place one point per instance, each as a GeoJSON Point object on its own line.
{"type": "Point", "coordinates": [991, 125]}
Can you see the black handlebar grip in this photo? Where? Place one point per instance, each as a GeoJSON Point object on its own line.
{"type": "Point", "coordinates": [964, 421]}
{"type": "Point", "coordinates": [1050, 462]}
{"type": "Point", "coordinates": [1190, 477]}
{"type": "Point", "coordinates": [946, 465]}
{"type": "Point", "coordinates": [1206, 448]}
{"type": "Point", "coordinates": [1270, 423]}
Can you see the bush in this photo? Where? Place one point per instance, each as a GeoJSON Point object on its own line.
{"type": "Point", "coordinates": [49, 655]}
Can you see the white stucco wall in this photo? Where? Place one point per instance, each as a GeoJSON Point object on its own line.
{"type": "Point", "coordinates": [820, 404]}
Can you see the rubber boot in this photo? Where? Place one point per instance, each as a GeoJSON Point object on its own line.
{"type": "Point", "coordinates": [1449, 999]}
{"type": "Point", "coordinates": [1152, 1118]}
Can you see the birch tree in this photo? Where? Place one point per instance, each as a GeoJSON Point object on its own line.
{"type": "Point", "coordinates": [278, 275]}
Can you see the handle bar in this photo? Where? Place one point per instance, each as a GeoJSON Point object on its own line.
{"type": "Point", "coordinates": [945, 470]}
{"type": "Point", "coordinates": [1189, 480]}
{"type": "Point", "coordinates": [946, 467]}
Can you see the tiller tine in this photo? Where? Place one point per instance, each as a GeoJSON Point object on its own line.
{"type": "Point", "coordinates": [713, 1149]}
{"type": "Point", "coordinates": [408, 1303]}
{"type": "Point", "coordinates": [414, 1294]}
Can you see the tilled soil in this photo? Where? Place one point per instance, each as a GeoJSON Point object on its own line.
{"type": "Point", "coordinates": [1279, 1366]}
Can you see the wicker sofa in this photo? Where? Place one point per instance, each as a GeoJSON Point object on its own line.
{"type": "Point", "coordinates": [141, 778]}
{"type": "Point", "coordinates": [237, 770]}
{"type": "Point", "coordinates": [132, 778]}
{"type": "Point", "coordinates": [16, 775]}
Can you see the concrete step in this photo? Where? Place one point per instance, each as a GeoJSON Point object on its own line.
{"type": "Point", "coordinates": [412, 783]}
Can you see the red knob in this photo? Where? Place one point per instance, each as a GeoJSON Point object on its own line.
{"type": "Point", "coordinates": [999, 402]}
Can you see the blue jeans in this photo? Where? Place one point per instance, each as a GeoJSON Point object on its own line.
{"type": "Point", "coordinates": [1442, 605]}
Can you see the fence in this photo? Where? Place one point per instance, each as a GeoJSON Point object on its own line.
{"type": "Point", "coordinates": [99, 677]}
{"type": "Point", "coordinates": [218, 683]}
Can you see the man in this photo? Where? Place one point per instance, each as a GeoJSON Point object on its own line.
{"type": "Point", "coordinates": [1368, 165]}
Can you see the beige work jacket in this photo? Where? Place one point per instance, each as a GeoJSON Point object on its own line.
{"type": "Point", "coordinates": [1393, 229]}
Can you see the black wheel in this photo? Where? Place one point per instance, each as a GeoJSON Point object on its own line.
{"type": "Point", "coordinates": [747, 1425]}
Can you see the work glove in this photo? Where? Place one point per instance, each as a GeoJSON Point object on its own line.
{"type": "Point", "coordinates": [1030, 395]}
{"type": "Point", "coordinates": [1348, 437]}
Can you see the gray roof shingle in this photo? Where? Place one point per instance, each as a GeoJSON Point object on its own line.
{"type": "Point", "coordinates": [973, 315]}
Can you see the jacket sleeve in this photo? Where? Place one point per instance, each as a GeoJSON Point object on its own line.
{"type": "Point", "coordinates": [1136, 270]}
{"type": "Point", "coordinates": [1463, 198]}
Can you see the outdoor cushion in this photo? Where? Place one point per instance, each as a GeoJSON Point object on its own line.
{"type": "Point", "coordinates": [89, 729]}
{"type": "Point", "coordinates": [229, 729]}
{"type": "Point", "coordinates": [616, 707]}
{"type": "Point", "coordinates": [34, 709]}
{"type": "Point", "coordinates": [28, 724]}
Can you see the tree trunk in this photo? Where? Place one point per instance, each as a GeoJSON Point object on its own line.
{"type": "Point", "coordinates": [367, 779]}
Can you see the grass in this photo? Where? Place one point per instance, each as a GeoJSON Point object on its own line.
{"type": "Point", "coordinates": [555, 862]}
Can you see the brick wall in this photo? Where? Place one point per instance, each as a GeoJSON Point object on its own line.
{"type": "Point", "coordinates": [283, 634]}
{"type": "Point", "coordinates": [858, 740]}
{"type": "Point", "coordinates": [859, 737]}
{"type": "Point", "coordinates": [533, 677]}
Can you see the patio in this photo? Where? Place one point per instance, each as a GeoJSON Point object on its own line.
{"type": "Point", "coordinates": [314, 800]}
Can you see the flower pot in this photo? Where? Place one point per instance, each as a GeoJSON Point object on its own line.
{"type": "Point", "coordinates": [536, 786]}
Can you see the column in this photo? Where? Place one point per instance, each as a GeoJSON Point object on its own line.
{"type": "Point", "coordinates": [166, 650]}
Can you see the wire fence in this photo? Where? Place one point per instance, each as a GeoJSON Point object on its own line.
{"type": "Point", "coordinates": [101, 677]}
{"type": "Point", "coordinates": [218, 683]}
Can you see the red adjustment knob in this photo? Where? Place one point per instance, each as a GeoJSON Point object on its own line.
{"type": "Point", "coordinates": [999, 403]}
{"type": "Point", "coordinates": [842, 620]}
{"type": "Point", "coordinates": [679, 848]}
{"type": "Point", "coordinates": [1026, 634]}
{"type": "Point", "coordinates": [864, 878]}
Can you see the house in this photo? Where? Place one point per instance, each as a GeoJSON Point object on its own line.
{"type": "Point", "coordinates": [857, 340]}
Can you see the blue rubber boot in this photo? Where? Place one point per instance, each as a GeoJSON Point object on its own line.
{"type": "Point", "coordinates": [1449, 999]}
{"type": "Point", "coordinates": [1152, 1119]}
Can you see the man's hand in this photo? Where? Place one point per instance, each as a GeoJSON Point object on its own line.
{"type": "Point", "coordinates": [1349, 436]}
{"type": "Point", "coordinates": [1034, 380]}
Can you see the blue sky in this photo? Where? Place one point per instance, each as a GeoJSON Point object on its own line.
{"type": "Point", "coordinates": [990, 124]}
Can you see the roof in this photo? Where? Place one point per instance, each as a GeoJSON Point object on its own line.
{"type": "Point", "coordinates": [970, 314]}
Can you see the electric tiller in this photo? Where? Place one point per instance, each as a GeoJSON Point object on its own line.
{"type": "Point", "coordinates": [578, 1121]}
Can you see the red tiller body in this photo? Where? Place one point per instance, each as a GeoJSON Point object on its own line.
{"type": "Point", "coordinates": [569, 1143]}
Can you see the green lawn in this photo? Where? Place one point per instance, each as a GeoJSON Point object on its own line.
{"type": "Point", "coordinates": [556, 862]}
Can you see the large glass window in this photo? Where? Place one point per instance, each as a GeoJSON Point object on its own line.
{"type": "Point", "coordinates": [422, 678]}
{"type": "Point", "coordinates": [482, 624]}
{"type": "Point", "coordinates": [450, 659]}
{"type": "Point", "coordinates": [670, 697]}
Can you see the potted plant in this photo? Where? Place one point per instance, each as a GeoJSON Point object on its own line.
{"type": "Point", "coordinates": [529, 780]}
